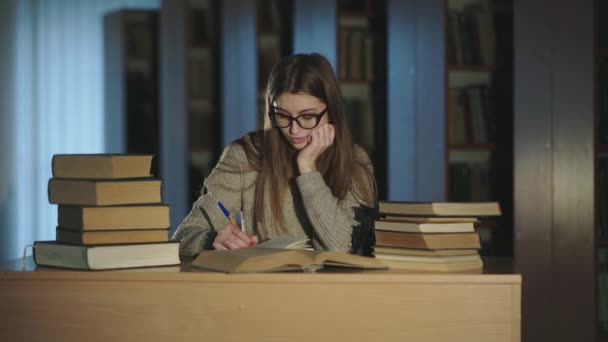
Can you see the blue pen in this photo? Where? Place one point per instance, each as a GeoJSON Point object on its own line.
{"type": "Point", "coordinates": [226, 212]}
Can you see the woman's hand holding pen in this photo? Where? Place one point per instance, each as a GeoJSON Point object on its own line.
{"type": "Point", "coordinates": [318, 141]}
{"type": "Point", "coordinates": [231, 237]}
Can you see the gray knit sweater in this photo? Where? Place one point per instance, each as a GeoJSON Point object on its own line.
{"type": "Point", "coordinates": [309, 207]}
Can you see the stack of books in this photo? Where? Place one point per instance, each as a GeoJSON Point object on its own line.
{"type": "Point", "coordinates": [110, 214]}
{"type": "Point", "coordinates": [433, 236]}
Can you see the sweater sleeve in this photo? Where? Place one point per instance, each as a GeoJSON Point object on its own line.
{"type": "Point", "coordinates": [198, 230]}
{"type": "Point", "coordinates": [332, 219]}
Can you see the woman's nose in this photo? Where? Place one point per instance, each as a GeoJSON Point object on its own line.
{"type": "Point", "coordinates": [294, 128]}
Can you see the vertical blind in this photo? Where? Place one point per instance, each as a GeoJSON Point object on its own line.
{"type": "Point", "coordinates": [51, 95]}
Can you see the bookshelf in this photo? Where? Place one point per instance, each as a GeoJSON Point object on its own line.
{"type": "Point", "coordinates": [601, 165]}
{"type": "Point", "coordinates": [361, 71]}
{"type": "Point", "coordinates": [131, 82]}
{"type": "Point", "coordinates": [190, 105]}
{"type": "Point", "coordinates": [274, 41]}
{"type": "Point", "coordinates": [479, 114]}
{"type": "Point", "coordinates": [202, 70]}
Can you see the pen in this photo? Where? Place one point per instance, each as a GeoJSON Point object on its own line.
{"type": "Point", "coordinates": [226, 212]}
{"type": "Point", "coordinates": [243, 229]}
{"type": "Point", "coordinates": [242, 221]}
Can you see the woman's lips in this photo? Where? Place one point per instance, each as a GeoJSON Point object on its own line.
{"type": "Point", "coordinates": [300, 140]}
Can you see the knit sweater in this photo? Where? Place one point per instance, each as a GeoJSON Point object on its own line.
{"type": "Point", "coordinates": [309, 207]}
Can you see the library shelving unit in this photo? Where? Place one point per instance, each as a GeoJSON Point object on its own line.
{"type": "Point", "coordinates": [202, 70]}
{"type": "Point", "coordinates": [361, 71]}
{"type": "Point", "coordinates": [131, 81]}
{"type": "Point", "coordinates": [601, 160]}
{"type": "Point", "coordinates": [479, 111]}
{"type": "Point", "coordinates": [188, 107]}
{"type": "Point", "coordinates": [274, 41]}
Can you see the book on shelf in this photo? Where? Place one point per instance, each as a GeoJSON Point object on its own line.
{"type": "Point", "coordinates": [482, 22]}
{"type": "Point", "coordinates": [423, 252]}
{"type": "Point", "coordinates": [603, 100]}
{"type": "Point", "coordinates": [104, 192]}
{"type": "Point", "coordinates": [473, 265]}
{"type": "Point", "coordinates": [454, 41]}
{"type": "Point", "coordinates": [105, 257]}
{"type": "Point", "coordinates": [427, 241]}
{"type": "Point", "coordinates": [457, 123]}
{"type": "Point", "coordinates": [355, 49]}
{"type": "Point", "coordinates": [471, 38]}
{"type": "Point", "coordinates": [477, 114]}
{"type": "Point", "coordinates": [113, 217]}
{"type": "Point", "coordinates": [603, 197]}
{"type": "Point", "coordinates": [420, 227]}
{"type": "Point", "coordinates": [269, 15]}
{"type": "Point", "coordinates": [474, 209]}
{"type": "Point", "coordinates": [603, 287]}
{"type": "Point", "coordinates": [101, 166]}
{"type": "Point", "coordinates": [201, 82]}
{"type": "Point", "coordinates": [98, 237]}
{"type": "Point", "coordinates": [470, 181]}
{"type": "Point", "coordinates": [259, 259]}
{"type": "Point", "coordinates": [201, 26]}
{"type": "Point", "coordinates": [471, 118]}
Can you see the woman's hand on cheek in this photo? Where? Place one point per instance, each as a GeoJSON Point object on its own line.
{"type": "Point", "coordinates": [318, 141]}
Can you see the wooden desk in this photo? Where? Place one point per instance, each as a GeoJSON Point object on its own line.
{"type": "Point", "coordinates": [169, 304]}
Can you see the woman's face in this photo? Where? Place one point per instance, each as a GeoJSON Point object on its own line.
{"type": "Point", "coordinates": [300, 105]}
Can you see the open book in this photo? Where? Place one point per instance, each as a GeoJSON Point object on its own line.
{"type": "Point", "coordinates": [260, 259]}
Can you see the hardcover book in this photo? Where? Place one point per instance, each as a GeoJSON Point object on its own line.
{"type": "Point", "coordinates": [427, 219]}
{"type": "Point", "coordinates": [97, 237]}
{"type": "Point", "coordinates": [414, 227]}
{"type": "Point", "coordinates": [429, 259]}
{"type": "Point", "coordinates": [115, 217]}
{"type": "Point", "coordinates": [424, 252]}
{"type": "Point", "coordinates": [104, 192]}
{"type": "Point", "coordinates": [427, 241]}
{"type": "Point", "coordinates": [101, 166]}
{"type": "Point", "coordinates": [55, 254]}
{"type": "Point", "coordinates": [440, 208]}
{"type": "Point", "coordinates": [475, 265]}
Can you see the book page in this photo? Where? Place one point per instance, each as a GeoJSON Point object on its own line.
{"type": "Point", "coordinates": [286, 242]}
{"type": "Point", "coordinates": [343, 259]}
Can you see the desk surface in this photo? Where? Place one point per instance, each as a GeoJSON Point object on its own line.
{"type": "Point", "coordinates": [496, 270]}
{"type": "Point", "coordinates": [185, 304]}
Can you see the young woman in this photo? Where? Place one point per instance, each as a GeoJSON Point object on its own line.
{"type": "Point", "coordinates": [301, 175]}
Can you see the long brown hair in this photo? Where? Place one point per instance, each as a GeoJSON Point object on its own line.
{"type": "Point", "coordinates": [275, 159]}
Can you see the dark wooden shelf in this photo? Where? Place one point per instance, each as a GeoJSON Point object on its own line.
{"type": "Point", "coordinates": [489, 147]}
{"type": "Point", "coordinates": [471, 68]}
{"type": "Point", "coordinates": [602, 149]}
{"type": "Point", "coordinates": [269, 32]}
{"type": "Point", "coordinates": [195, 46]}
{"type": "Point", "coordinates": [355, 14]}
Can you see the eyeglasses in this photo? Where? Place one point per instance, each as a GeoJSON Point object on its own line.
{"type": "Point", "coordinates": [306, 121]}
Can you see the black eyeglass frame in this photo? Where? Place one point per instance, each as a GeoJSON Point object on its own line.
{"type": "Point", "coordinates": [273, 112]}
